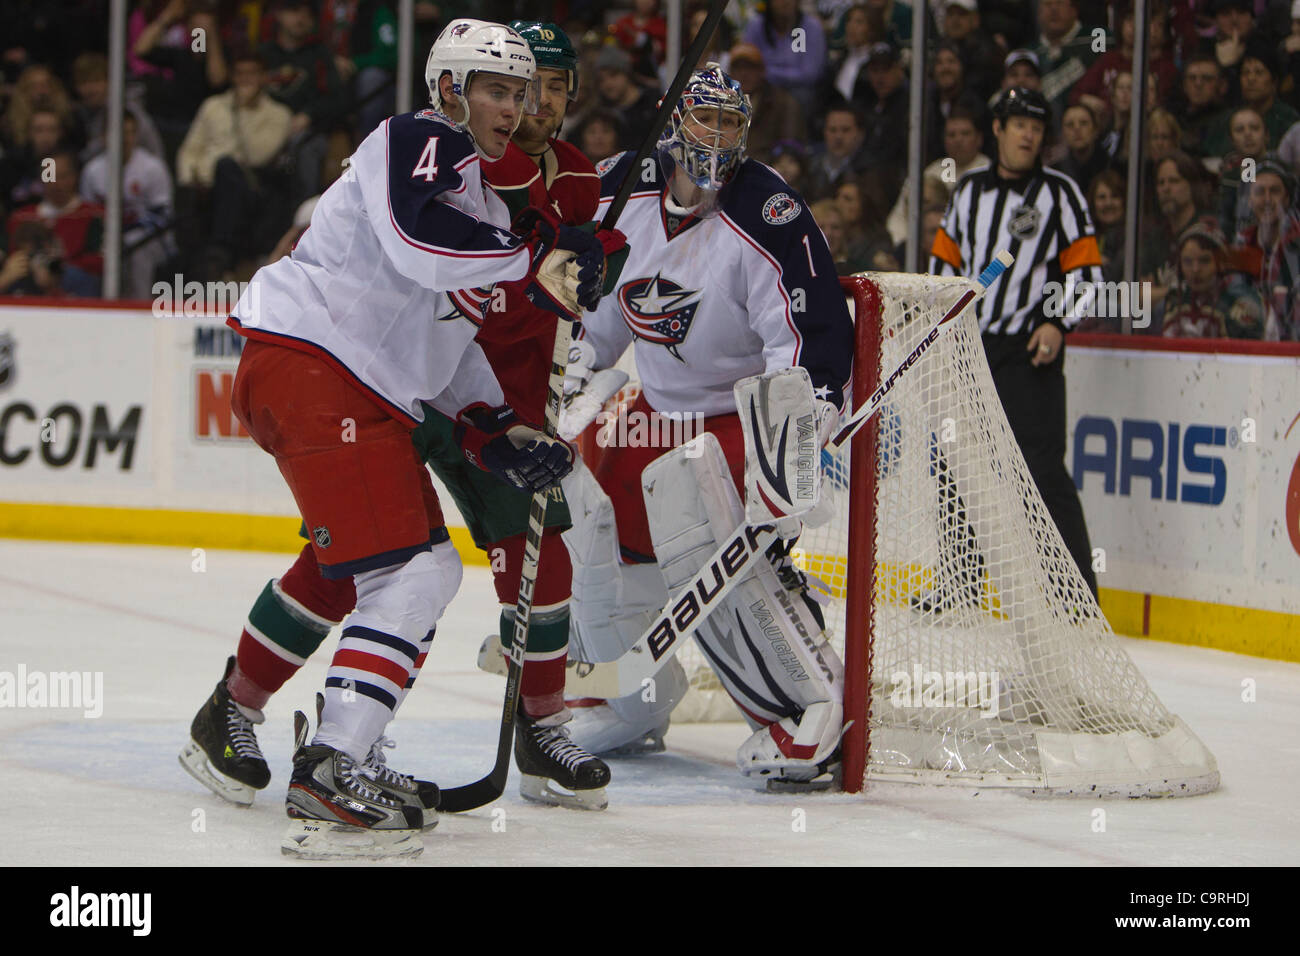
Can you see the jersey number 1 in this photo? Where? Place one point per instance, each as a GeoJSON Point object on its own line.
{"type": "Point", "coordinates": [425, 164]}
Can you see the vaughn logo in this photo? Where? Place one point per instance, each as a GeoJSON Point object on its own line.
{"type": "Point", "coordinates": [75, 908]}
{"type": "Point", "coordinates": [72, 690]}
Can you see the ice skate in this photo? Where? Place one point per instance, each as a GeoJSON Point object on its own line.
{"type": "Point", "coordinates": [550, 764]}
{"type": "Point", "coordinates": [418, 793]}
{"type": "Point", "coordinates": [222, 753]}
{"type": "Point", "coordinates": [339, 810]}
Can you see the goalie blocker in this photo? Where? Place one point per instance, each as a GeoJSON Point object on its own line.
{"type": "Point", "coordinates": [761, 638]}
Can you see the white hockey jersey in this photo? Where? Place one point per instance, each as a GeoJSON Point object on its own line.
{"type": "Point", "coordinates": [366, 286]}
{"type": "Point", "coordinates": [710, 301]}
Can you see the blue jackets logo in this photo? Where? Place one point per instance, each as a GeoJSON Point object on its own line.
{"type": "Point", "coordinates": [659, 311]}
{"type": "Point", "coordinates": [1167, 461]}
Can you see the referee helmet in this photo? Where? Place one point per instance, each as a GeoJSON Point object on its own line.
{"type": "Point", "coordinates": [1022, 101]}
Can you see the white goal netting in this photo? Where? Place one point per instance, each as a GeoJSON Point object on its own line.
{"type": "Point", "coordinates": [990, 662]}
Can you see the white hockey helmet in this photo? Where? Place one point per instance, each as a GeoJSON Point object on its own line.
{"type": "Point", "coordinates": [466, 47]}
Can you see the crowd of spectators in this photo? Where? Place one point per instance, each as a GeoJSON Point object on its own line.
{"type": "Point", "coordinates": [239, 112]}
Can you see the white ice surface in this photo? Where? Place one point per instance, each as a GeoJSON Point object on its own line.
{"type": "Point", "coordinates": [110, 791]}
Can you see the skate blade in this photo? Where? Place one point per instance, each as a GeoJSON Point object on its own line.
{"type": "Point", "coordinates": [326, 840]}
{"type": "Point", "coordinates": [198, 766]}
{"type": "Point", "coordinates": [545, 790]}
{"type": "Point", "coordinates": [649, 744]}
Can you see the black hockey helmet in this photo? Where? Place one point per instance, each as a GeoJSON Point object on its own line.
{"type": "Point", "coordinates": [1022, 101]}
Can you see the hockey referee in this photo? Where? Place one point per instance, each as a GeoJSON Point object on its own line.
{"type": "Point", "coordinates": [1039, 216]}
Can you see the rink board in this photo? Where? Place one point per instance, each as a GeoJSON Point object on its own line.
{"type": "Point", "coordinates": [115, 425]}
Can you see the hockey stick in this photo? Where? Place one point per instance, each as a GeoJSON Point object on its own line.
{"type": "Point", "coordinates": [679, 619]}
{"type": "Point", "coordinates": [986, 278]}
{"type": "Point", "coordinates": [489, 788]}
{"type": "Point", "coordinates": [692, 603]}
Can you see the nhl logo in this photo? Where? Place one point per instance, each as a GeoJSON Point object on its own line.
{"type": "Point", "coordinates": [1024, 222]}
{"type": "Point", "coordinates": [7, 372]}
{"type": "Point", "coordinates": [322, 536]}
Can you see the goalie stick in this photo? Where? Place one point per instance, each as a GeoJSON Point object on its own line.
{"type": "Point", "coordinates": [986, 278]}
{"type": "Point", "coordinates": [489, 788]}
{"type": "Point", "coordinates": [684, 612]}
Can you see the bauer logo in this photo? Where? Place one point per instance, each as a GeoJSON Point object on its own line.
{"type": "Point", "coordinates": [77, 909]}
{"type": "Point", "coordinates": [780, 209]}
{"type": "Point", "coordinates": [1165, 461]}
{"type": "Point", "coordinates": [691, 608]}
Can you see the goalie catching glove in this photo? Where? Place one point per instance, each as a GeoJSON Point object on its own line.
{"type": "Point", "coordinates": [495, 440]}
{"type": "Point", "coordinates": [567, 271]}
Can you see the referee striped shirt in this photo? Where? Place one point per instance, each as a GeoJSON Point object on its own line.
{"type": "Point", "coordinates": [1042, 220]}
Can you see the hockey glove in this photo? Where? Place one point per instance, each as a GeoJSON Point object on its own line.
{"type": "Point", "coordinates": [495, 440]}
{"type": "Point", "coordinates": [616, 249]}
{"type": "Point", "coordinates": [567, 265]}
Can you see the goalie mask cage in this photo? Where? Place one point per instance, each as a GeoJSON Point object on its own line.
{"type": "Point", "coordinates": [974, 653]}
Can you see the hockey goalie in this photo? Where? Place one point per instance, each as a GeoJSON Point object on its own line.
{"type": "Point", "coordinates": [729, 279]}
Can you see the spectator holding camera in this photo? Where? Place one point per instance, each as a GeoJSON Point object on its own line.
{"type": "Point", "coordinates": [65, 254]}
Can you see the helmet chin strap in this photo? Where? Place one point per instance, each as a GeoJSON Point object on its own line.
{"type": "Point", "coordinates": [463, 125]}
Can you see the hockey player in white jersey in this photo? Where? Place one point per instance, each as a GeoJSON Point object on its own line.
{"type": "Point", "coordinates": [346, 338]}
{"type": "Point", "coordinates": [728, 277]}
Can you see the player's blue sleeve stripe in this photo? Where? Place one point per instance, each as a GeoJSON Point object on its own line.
{"type": "Point", "coordinates": [417, 206]}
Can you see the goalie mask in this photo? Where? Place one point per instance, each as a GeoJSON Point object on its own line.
{"type": "Point", "coordinates": [466, 47]}
{"type": "Point", "coordinates": [706, 134]}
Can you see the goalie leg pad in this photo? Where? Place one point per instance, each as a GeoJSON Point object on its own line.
{"type": "Point", "coordinates": [605, 726]}
{"type": "Point", "coordinates": [611, 607]}
{"type": "Point", "coordinates": [765, 645]}
{"type": "Point", "coordinates": [794, 748]}
{"type": "Point", "coordinates": [592, 540]}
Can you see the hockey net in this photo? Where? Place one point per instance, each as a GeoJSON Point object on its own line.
{"type": "Point", "coordinates": [974, 652]}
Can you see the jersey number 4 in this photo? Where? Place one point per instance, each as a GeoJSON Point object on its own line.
{"type": "Point", "coordinates": [425, 165]}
